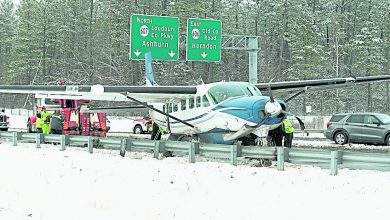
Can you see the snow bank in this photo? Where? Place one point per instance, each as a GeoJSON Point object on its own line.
{"type": "Point", "coordinates": [48, 184]}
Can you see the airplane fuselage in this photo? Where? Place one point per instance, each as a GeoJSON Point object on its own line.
{"type": "Point", "coordinates": [219, 109]}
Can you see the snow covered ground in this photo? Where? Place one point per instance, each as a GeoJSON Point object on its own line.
{"type": "Point", "coordinates": [48, 184]}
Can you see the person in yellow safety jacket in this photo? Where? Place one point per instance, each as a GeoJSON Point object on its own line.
{"type": "Point", "coordinates": [39, 123]}
{"type": "Point", "coordinates": [46, 120]}
{"type": "Point", "coordinates": [161, 131]}
{"type": "Point", "coordinates": [288, 132]}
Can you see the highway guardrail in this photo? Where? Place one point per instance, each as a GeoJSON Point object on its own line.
{"type": "Point", "coordinates": [323, 158]}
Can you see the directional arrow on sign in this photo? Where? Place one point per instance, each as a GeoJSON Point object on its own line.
{"type": "Point", "coordinates": [171, 53]}
{"type": "Point", "coordinates": [204, 55]}
{"type": "Point", "coordinates": [137, 52]}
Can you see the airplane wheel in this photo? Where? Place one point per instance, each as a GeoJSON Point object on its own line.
{"type": "Point", "coordinates": [137, 129]}
{"type": "Point", "coordinates": [249, 140]}
{"type": "Point", "coordinates": [168, 154]}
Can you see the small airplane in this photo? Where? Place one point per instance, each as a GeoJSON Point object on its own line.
{"type": "Point", "coordinates": [221, 112]}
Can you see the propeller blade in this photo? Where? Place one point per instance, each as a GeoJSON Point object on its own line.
{"type": "Point", "coordinates": [301, 123]}
{"type": "Point", "coordinates": [270, 92]}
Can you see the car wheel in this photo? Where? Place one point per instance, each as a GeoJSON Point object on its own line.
{"type": "Point", "coordinates": [387, 140]}
{"type": "Point", "coordinates": [137, 129]}
{"type": "Point", "coordinates": [340, 138]}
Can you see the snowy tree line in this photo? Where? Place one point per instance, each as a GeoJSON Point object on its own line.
{"type": "Point", "coordinates": [87, 42]}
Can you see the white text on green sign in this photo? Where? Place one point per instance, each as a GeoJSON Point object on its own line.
{"type": "Point", "coordinates": [157, 34]}
{"type": "Point", "coordinates": [204, 40]}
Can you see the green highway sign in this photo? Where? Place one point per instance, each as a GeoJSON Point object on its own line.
{"type": "Point", "coordinates": [204, 40]}
{"type": "Point", "coordinates": [157, 34]}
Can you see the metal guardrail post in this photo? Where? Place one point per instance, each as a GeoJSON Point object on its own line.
{"type": "Point", "coordinates": [122, 150]}
{"type": "Point", "coordinates": [38, 140]}
{"type": "Point", "coordinates": [129, 145]}
{"type": "Point", "coordinates": [192, 152]}
{"type": "Point", "coordinates": [333, 162]}
{"type": "Point", "coordinates": [125, 146]}
{"type": "Point", "coordinates": [196, 144]}
{"type": "Point", "coordinates": [239, 149]}
{"type": "Point", "coordinates": [67, 139]}
{"type": "Point", "coordinates": [286, 154]}
{"type": "Point", "coordinates": [233, 155]}
{"type": "Point", "coordinates": [15, 139]}
{"type": "Point", "coordinates": [90, 144]}
{"type": "Point", "coordinates": [280, 158]}
{"type": "Point", "coordinates": [62, 142]}
{"type": "Point", "coordinates": [340, 157]}
{"type": "Point", "coordinates": [156, 149]}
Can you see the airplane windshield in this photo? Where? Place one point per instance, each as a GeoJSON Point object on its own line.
{"type": "Point", "coordinates": [221, 92]}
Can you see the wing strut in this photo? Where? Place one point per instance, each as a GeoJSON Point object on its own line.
{"type": "Point", "coordinates": [295, 95]}
{"type": "Point", "coordinates": [159, 111]}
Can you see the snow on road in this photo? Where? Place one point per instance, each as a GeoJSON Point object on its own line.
{"type": "Point", "coordinates": [48, 184]}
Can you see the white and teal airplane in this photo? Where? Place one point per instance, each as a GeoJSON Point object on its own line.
{"type": "Point", "coordinates": [221, 112]}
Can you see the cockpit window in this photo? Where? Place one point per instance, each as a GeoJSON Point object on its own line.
{"type": "Point", "coordinates": [221, 92]}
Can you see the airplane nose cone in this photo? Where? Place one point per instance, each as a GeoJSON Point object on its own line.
{"type": "Point", "coordinates": [264, 106]}
{"type": "Point", "coordinates": [273, 108]}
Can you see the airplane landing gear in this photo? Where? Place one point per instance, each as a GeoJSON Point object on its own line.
{"type": "Point", "coordinates": [259, 162]}
{"type": "Point", "coordinates": [249, 140]}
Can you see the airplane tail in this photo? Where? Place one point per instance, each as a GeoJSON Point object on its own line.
{"type": "Point", "coordinates": [149, 70]}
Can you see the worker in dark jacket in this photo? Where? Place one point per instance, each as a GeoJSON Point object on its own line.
{"type": "Point", "coordinates": [275, 138]}
{"type": "Point", "coordinates": [56, 123]}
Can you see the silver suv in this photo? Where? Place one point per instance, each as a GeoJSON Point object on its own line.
{"type": "Point", "coordinates": [359, 127]}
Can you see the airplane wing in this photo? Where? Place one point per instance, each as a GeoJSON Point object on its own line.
{"type": "Point", "coordinates": [107, 93]}
{"type": "Point", "coordinates": [317, 84]}
{"type": "Point", "coordinates": [162, 94]}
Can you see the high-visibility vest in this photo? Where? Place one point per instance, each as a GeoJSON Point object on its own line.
{"type": "Point", "coordinates": [44, 116]}
{"type": "Point", "coordinates": [288, 128]}
{"type": "Point", "coordinates": [161, 130]}
{"type": "Point", "coordinates": [39, 122]}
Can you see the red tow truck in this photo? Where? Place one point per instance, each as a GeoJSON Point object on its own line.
{"type": "Point", "coordinates": [75, 122]}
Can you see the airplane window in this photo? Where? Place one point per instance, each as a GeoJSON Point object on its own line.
{"type": "Point", "coordinates": [198, 101]}
{"type": "Point", "coordinates": [191, 103]}
{"type": "Point", "coordinates": [175, 107]}
{"type": "Point", "coordinates": [183, 104]}
{"type": "Point", "coordinates": [205, 101]}
{"type": "Point", "coordinates": [163, 108]}
{"type": "Point", "coordinates": [169, 107]}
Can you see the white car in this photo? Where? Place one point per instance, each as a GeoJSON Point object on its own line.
{"type": "Point", "coordinates": [142, 125]}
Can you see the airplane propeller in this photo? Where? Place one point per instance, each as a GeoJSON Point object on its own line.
{"type": "Point", "coordinates": [272, 108]}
